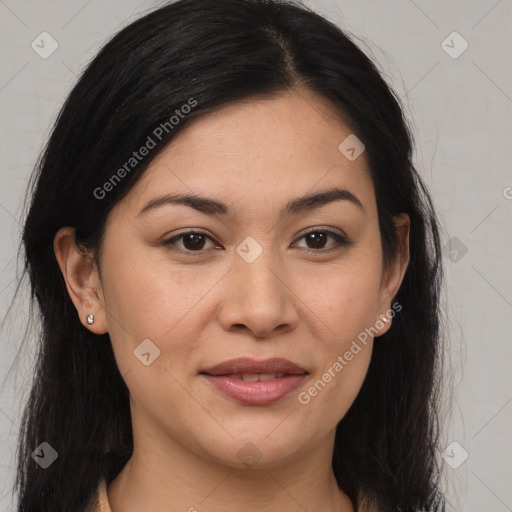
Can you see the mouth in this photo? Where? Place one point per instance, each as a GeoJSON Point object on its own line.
{"type": "Point", "coordinates": [276, 367]}
{"type": "Point", "coordinates": [253, 377]}
{"type": "Point", "coordinates": [252, 382]}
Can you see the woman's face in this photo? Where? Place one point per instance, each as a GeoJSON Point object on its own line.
{"type": "Point", "coordinates": [250, 284]}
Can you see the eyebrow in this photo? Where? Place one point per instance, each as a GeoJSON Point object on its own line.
{"type": "Point", "coordinates": [211, 206]}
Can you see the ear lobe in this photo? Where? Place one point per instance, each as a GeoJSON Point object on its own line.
{"type": "Point", "coordinates": [81, 278]}
{"type": "Point", "coordinates": [394, 273]}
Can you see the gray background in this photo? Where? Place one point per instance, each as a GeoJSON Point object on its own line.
{"type": "Point", "coordinates": [461, 112]}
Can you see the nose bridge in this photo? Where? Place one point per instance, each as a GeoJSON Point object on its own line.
{"type": "Point", "coordinates": [256, 295]}
{"type": "Point", "coordinates": [257, 265]}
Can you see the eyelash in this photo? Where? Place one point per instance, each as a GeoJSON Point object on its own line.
{"type": "Point", "coordinates": [340, 241]}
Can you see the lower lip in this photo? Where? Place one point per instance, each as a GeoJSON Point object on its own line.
{"type": "Point", "coordinates": [255, 393]}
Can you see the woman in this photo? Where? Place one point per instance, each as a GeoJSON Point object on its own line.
{"type": "Point", "coordinates": [238, 272]}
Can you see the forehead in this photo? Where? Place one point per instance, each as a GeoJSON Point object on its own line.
{"type": "Point", "coordinates": [255, 150]}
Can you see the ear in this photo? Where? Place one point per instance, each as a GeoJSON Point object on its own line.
{"type": "Point", "coordinates": [82, 279]}
{"type": "Point", "coordinates": [393, 274]}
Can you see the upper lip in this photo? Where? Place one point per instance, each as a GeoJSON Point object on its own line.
{"type": "Point", "coordinates": [249, 365]}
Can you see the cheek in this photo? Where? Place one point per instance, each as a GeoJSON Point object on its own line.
{"type": "Point", "coordinates": [150, 297]}
{"type": "Point", "coordinates": [147, 299]}
{"type": "Point", "coordinates": [345, 297]}
{"type": "Point", "coordinates": [334, 387]}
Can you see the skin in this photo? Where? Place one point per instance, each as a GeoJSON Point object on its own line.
{"type": "Point", "coordinates": [200, 310]}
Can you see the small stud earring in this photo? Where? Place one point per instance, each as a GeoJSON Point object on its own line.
{"type": "Point", "coordinates": [90, 319]}
{"type": "Point", "coordinates": [385, 319]}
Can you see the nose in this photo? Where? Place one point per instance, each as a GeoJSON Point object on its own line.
{"type": "Point", "coordinates": [259, 298]}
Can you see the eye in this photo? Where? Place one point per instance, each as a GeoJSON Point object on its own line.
{"type": "Point", "coordinates": [316, 239]}
{"type": "Point", "coordinates": [193, 241]}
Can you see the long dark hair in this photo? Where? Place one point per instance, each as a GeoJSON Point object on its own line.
{"type": "Point", "coordinates": [206, 54]}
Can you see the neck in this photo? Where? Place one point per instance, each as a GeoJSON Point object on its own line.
{"type": "Point", "coordinates": [178, 479]}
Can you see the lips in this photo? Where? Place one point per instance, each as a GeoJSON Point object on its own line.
{"type": "Point", "coordinates": [254, 382]}
{"type": "Point", "coordinates": [261, 377]}
{"type": "Point", "coordinates": [276, 366]}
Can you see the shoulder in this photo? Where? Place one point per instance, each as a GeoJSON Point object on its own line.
{"type": "Point", "coordinates": [365, 504]}
{"type": "Point", "coordinates": [99, 500]}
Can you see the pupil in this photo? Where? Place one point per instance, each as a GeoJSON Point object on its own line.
{"type": "Point", "coordinates": [195, 239]}
{"type": "Point", "coordinates": [317, 239]}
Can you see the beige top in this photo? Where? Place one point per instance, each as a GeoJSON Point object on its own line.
{"type": "Point", "coordinates": [99, 502]}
